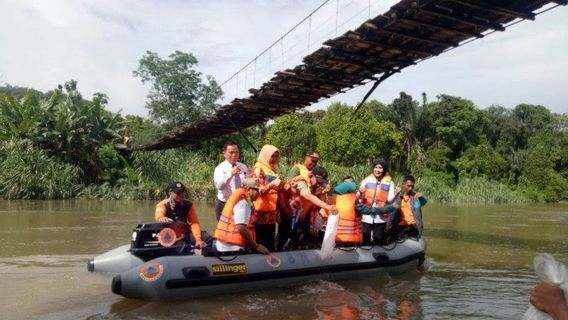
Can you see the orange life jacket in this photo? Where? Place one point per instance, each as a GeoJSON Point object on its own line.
{"type": "Point", "coordinates": [226, 228]}
{"type": "Point", "coordinates": [407, 217]}
{"type": "Point", "coordinates": [266, 202]}
{"type": "Point", "coordinates": [377, 194]}
{"type": "Point", "coordinates": [349, 227]}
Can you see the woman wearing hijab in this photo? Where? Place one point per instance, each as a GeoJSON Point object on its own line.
{"type": "Point", "coordinates": [377, 190]}
{"type": "Point", "coordinates": [266, 213]}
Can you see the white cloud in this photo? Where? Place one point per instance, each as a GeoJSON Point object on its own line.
{"type": "Point", "coordinates": [99, 43]}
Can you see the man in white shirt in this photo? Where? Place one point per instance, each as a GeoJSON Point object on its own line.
{"type": "Point", "coordinates": [228, 175]}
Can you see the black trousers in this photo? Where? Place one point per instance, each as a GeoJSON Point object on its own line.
{"type": "Point", "coordinates": [219, 209]}
{"type": "Point", "coordinates": [378, 231]}
{"type": "Point", "coordinates": [265, 235]}
{"type": "Point", "coordinates": [285, 232]}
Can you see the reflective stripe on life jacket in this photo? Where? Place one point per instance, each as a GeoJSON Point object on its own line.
{"type": "Point", "coordinates": [377, 194]}
{"type": "Point", "coordinates": [349, 229]}
{"type": "Point", "coordinates": [266, 202]}
{"type": "Point", "coordinates": [226, 228]}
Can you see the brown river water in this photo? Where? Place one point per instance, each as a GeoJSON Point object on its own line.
{"type": "Point", "coordinates": [479, 266]}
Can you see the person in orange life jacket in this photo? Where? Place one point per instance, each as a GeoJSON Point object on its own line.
{"type": "Point", "coordinates": [311, 159]}
{"type": "Point", "coordinates": [177, 208]}
{"type": "Point", "coordinates": [408, 219]}
{"type": "Point", "coordinates": [287, 202]}
{"type": "Point", "coordinates": [266, 205]}
{"type": "Point", "coordinates": [376, 190]}
{"type": "Point", "coordinates": [349, 229]}
{"type": "Point", "coordinates": [235, 228]}
{"type": "Point", "coordinates": [228, 175]}
{"type": "Point", "coordinates": [298, 200]}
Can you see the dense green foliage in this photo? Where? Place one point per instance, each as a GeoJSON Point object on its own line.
{"type": "Point", "coordinates": [348, 141]}
{"type": "Point", "coordinates": [27, 172]}
{"type": "Point", "coordinates": [60, 145]}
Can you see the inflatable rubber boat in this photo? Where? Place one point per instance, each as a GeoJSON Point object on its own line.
{"type": "Point", "coordinates": [155, 266]}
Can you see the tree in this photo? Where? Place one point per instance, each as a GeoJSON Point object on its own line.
{"type": "Point", "coordinates": [482, 160]}
{"type": "Point", "coordinates": [457, 123]}
{"type": "Point", "coordinates": [411, 119]}
{"type": "Point", "coordinates": [538, 172]}
{"type": "Point", "coordinates": [533, 119]}
{"type": "Point", "coordinates": [65, 125]}
{"type": "Point", "coordinates": [380, 111]}
{"type": "Point", "coordinates": [291, 136]}
{"type": "Point", "coordinates": [178, 95]}
{"type": "Point", "coordinates": [346, 141]}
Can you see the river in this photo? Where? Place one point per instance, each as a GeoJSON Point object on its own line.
{"type": "Point", "coordinates": [479, 266]}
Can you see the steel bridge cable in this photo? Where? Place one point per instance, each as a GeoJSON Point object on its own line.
{"type": "Point", "coordinates": [275, 42]}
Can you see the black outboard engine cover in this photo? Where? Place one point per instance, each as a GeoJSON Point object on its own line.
{"type": "Point", "coordinates": [150, 240]}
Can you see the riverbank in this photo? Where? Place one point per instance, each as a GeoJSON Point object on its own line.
{"type": "Point", "coordinates": [28, 173]}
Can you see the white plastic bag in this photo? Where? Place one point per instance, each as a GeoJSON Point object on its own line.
{"type": "Point", "coordinates": [329, 237]}
{"type": "Point", "coordinates": [547, 269]}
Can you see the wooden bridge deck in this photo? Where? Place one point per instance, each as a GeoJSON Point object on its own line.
{"type": "Point", "coordinates": [408, 33]}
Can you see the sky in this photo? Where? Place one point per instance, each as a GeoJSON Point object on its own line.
{"type": "Point", "coordinates": [99, 43]}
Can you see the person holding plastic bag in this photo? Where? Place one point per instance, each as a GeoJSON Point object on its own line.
{"type": "Point", "coordinates": [548, 298]}
{"type": "Point", "coordinates": [345, 228]}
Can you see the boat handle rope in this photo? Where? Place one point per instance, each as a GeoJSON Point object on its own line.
{"type": "Point", "coordinates": [226, 260]}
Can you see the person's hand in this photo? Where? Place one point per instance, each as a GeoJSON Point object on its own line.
{"type": "Point", "coordinates": [549, 297]}
{"type": "Point", "coordinates": [362, 190]}
{"type": "Point", "coordinates": [418, 195]}
{"type": "Point", "coordinates": [276, 183]}
{"type": "Point", "coordinates": [235, 170]}
{"type": "Point", "coordinates": [261, 249]}
{"type": "Point", "coordinates": [324, 213]}
{"type": "Point", "coordinates": [199, 244]}
{"type": "Point", "coordinates": [331, 209]}
{"type": "Point", "coordinates": [165, 220]}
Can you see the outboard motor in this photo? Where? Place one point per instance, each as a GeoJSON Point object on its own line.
{"type": "Point", "coordinates": [152, 240]}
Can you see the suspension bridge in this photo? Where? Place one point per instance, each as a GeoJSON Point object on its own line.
{"type": "Point", "coordinates": [410, 32]}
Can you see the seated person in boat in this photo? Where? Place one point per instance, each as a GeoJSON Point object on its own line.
{"type": "Point", "coordinates": [235, 229]}
{"type": "Point", "coordinates": [299, 199]}
{"type": "Point", "coordinates": [407, 221]}
{"type": "Point", "coordinates": [176, 208]}
{"type": "Point", "coordinates": [349, 228]}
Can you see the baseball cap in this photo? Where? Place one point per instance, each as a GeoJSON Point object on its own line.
{"type": "Point", "coordinates": [312, 154]}
{"type": "Point", "coordinates": [176, 186]}
{"type": "Point", "coordinates": [321, 175]}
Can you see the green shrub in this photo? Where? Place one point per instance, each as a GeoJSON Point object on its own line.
{"type": "Point", "coordinates": [27, 172]}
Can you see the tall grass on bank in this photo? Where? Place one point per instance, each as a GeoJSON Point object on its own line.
{"type": "Point", "coordinates": [152, 172]}
{"type": "Point", "coordinates": [27, 172]}
{"type": "Point", "coordinates": [477, 190]}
